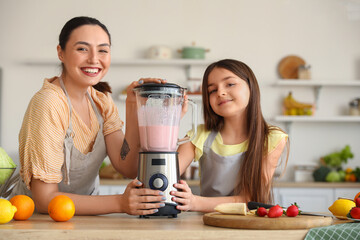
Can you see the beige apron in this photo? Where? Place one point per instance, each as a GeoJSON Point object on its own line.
{"type": "Point", "coordinates": [219, 174]}
{"type": "Point", "coordinates": [80, 171]}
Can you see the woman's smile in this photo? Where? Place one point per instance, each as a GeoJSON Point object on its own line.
{"type": "Point", "coordinates": [91, 71]}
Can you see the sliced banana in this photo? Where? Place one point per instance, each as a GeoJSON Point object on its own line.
{"type": "Point", "coordinates": [232, 208]}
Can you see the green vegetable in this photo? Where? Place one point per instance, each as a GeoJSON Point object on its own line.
{"type": "Point", "coordinates": [336, 159]}
{"type": "Point", "coordinates": [333, 176]}
{"type": "Point", "coordinates": [357, 173]}
{"type": "Point", "coordinates": [321, 173]}
{"type": "Point", "coordinates": [103, 164]}
{"type": "Point", "coordinates": [7, 166]}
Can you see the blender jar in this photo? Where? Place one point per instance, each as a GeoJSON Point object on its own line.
{"type": "Point", "coordinates": [159, 113]}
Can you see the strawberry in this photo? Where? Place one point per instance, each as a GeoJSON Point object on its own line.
{"type": "Point", "coordinates": [261, 212]}
{"type": "Point", "coordinates": [275, 211]}
{"type": "Point", "coordinates": [354, 213]}
{"type": "Point", "coordinates": [357, 202]}
{"type": "Point", "coordinates": [293, 210]}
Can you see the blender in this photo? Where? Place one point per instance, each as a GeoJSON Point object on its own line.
{"type": "Point", "coordinates": [159, 111]}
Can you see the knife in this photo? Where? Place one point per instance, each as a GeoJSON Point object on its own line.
{"type": "Point", "coordinates": [255, 205]}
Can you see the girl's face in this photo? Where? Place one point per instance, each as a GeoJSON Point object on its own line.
{"type": "Point", "coordinates": [86, 56]}
{"type": "Point", "coordinates": [228, 93]}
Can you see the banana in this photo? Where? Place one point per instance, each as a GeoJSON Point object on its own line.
{"type": "Point", "coordinates": [293, 107]}
{"type": "Point", "coordinates": [231, 208]}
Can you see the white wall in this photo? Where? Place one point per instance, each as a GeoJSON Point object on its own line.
{"type": "Point", "coordinates": [326, 33]}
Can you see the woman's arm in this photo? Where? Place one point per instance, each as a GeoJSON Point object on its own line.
{"type": "Point", "coordinates": [123, 150]}
{"type": "Point", "coordinates": [134, 201]}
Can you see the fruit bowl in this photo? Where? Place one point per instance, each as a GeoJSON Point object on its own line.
{"type": "Point", "coordinates": [5, 174]}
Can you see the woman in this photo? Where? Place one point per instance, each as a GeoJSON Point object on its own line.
{"type": "Point", "coordinates": [72, 123]}
{"type": "Point", "coordinates": [237, 149]}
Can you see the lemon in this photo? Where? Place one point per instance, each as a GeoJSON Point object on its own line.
{"type": "Point", "coordinates": [341, 207]}
{"type": "Point", "coordinates": [7, 211]}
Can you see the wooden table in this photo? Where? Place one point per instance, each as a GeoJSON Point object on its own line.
{"type": "Point", "coordinates": [188, 225]}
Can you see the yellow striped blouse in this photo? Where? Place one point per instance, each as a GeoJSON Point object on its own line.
{"type": "Point", "coordinates": [44, 126]}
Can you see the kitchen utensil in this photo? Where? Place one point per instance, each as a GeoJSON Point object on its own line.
{"type": "Point", "coordinates": [289, 65]}
{"type": "Point", "coordinates": [265, 223]}
{"type": "Point", "coordinates": [193, 52]}
{"type": "Point", "coordinates": [159, 112]}
{"type": "Point", "coordinates": [159, 52]}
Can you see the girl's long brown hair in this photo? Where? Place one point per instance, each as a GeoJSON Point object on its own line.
{"type": "Point", "coordinates": [251, 178]}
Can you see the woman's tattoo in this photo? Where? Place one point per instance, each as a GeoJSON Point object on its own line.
{"type": "Point", "coordinates": [125, 149]}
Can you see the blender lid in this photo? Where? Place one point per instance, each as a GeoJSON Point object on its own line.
{"type": "Point", "coordinates": [157, 86]}
{"type": "Point", "coordinates": [162, 88]}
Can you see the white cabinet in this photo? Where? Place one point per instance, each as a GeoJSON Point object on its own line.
{"type": "Point", "coordinates": [313, 199]}
{"type": "Point", "coordinates": [346, 193]}
{"type": "Point", "coordinates": [308, 199]}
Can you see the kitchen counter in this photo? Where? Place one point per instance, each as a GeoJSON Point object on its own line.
{"type": "Point", "coordinates": [188, 225]}
{"type": "Point", "coordinates": [279, 184]}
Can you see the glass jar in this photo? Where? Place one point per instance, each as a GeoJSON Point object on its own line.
{"type": "Point", "coordinates": [354, 108]}
{"type": "Point", "coordinates": [304, 72]}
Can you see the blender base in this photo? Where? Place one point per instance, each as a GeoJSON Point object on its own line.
{"type": "Point", "coordinates": [169, 210]}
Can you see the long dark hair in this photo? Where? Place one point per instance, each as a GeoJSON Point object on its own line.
{"type": "Point", "coordinates": [69, 27]}
{"type": "Point", "coordinates": [252, 171]}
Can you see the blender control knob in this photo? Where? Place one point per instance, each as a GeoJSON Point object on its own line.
{"type": "Point", "coordinates": [158, 181]}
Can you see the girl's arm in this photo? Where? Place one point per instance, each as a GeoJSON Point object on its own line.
{"type": "Point", "coordinates": [134, 201]}
{"type": "Point", "coordinates": [189, 202]}
{"type": "Point", "coordinates": [123, 150]}
{"type": "Point", "coordinates": [272, 160]}
{"type": "Point", "coordinates": [186, 156]}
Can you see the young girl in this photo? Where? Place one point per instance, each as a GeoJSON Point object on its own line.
{"type": "Point", "coordinates": [237, 150]}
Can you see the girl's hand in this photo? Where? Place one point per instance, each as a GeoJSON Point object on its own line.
{"type": "Point", "coordinates": [183, 196]}
{"type": "Point", "coordinates": [141, 201]}
{"type": "Point", "coordinates": [129, 91]}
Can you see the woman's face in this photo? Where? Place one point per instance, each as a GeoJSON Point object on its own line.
{"type": "Point", "coordinates": [228, 93]}
{"type": "Point", "coordinates": [86, 56]}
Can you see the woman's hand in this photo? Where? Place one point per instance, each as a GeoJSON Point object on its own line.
{"type": "Point", "coordinates": [141, 201]}
{"type": "Point", "coordinates": [129, 91]}
{"type": "Point", "coordinates": [184, 106]}
{"type": "Point", "coordinates": [183, 196]}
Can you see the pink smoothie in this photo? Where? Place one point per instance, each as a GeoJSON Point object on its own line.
{"type": "Point", "coordinates": [159, 138]}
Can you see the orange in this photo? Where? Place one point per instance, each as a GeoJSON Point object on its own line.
{"type": "Point", "coordinates": [61, 208]}
{"type": "Point", "coordinates": [356, 196]}
{"type": "Point", "coordinates": [25, 207]}
{"type": "Point", "coordinates": [350, 177]}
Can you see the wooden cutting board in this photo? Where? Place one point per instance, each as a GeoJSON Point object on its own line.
{"type": "Point", "coordinates": [254, 222]}
{"type": "Point", "coordinates": [288, 66]}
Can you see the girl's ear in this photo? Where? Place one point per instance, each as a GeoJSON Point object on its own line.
{"type": "Point", "coordinates": [60, 53]}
